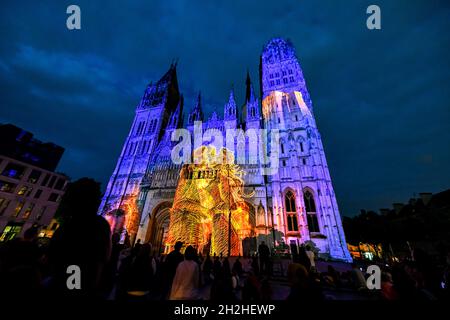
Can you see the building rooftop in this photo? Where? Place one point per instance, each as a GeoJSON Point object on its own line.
{"type": "Point", "coordinates": [21, 145]}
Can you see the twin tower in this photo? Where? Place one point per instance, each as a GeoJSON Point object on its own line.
{"type": "Point", "coordinates": [294, 205]}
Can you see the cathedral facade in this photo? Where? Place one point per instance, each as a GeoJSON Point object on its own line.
{"type": "Point", "coordinates": [289, 206]}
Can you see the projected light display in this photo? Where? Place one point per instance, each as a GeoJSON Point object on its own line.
{"type": "Point", "coordinates": [209, 192]}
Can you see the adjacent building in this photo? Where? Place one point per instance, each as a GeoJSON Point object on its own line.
{"type": "Point", "coordinates": [30, 189]}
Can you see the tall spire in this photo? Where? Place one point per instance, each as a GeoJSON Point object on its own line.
{"type": "Point", "coordinates": [248, 87]}
{"type": "Point", "coordinates": [156, 93]}
{"type": "Point", "coordinates": [176, 116]}
{"type": "Point", "coordinates": [197, 113]}
{"type": "Point", "coordinates": [230, 107]}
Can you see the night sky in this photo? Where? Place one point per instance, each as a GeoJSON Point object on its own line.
{"type": "Point", "coordinates": [381, 98]}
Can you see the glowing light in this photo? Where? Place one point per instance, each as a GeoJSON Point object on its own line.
{"type": "Point", "coordinates": [125, 219]}
{"type": "Point", "coordinates": [206, 194]}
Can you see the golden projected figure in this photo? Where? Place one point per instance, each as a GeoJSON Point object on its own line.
{"type": "Point", "coordinates": [208, 192]}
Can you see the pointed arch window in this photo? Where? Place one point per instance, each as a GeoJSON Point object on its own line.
{"type": "Point", "coordinates": [311, 214]}
{"type": "Point", "coordinates": [291, 212]}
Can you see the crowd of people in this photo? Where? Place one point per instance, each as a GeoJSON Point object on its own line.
{"type": "Point", "coordinates": [113, 270]}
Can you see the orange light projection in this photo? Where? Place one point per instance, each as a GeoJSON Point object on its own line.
{"type": "Point", "coordinates": [208, 192]}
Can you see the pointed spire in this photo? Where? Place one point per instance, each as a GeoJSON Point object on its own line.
{"type": "Point", "coordinates": [248, 86]}
{"type": "Point", "coordinates": [231, 101]}
{"type": "Point", "coordinates": [197, 113]}
{"type": "Point", "coordinates": [198, 104]}
{"type": "Point", "coordinates": [251, 109]}
{"type": "Point", "coordinates": [170, 75]}
{"type": "Point", "coordinates": [230, 107]}
{"type": "Point", "coordinates": [176, 115]}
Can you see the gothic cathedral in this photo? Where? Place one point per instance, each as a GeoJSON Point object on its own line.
{"type": "Point", "coordinates": [293, 205]}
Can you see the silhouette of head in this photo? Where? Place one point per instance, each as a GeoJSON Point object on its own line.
{"type": "Point", "coordinates": [190, 253]}
{"type": "Point", "coordinates": [178, 245]}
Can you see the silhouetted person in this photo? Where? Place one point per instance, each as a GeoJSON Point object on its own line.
{"type": "Point", "coordinates": [226, 267]}
{"type": "Point", "coordinates": [255, 265]}
{"type": "Point", "coordinates": [111, 268]}
{"type": "Point", "coordinates": [20, 272]}
{"type": "Point", "coordinates": [357, 277]}
{"type": "Point", "coordinates": [222, 287]}
{"type": "Point", "coordinates": [126, 258]}
{"type": "Point", "coordinates": [303, 258]}
{"type": "Point", "coordinates": [207, 268]}
{"type": "Point", "coordinates": [311, 256]}
{"type": "Point", "coordinates": [217, 267]}
{"type": "Point", "coordinates": [252, 288]}
{"type": "Point", "coordinates": [264, 258]}
{"type": "Point", "coordinates": [186, 281]}
{"type": "Point", "coordinates": [333, 276]}
{"type": "Point", "coordinates": [83, 241]}
{"type": "Point", "coordinates": [141, 275]}
{"type": "Point", "coordinates": [303, 287]}
{"type": "Point", "coordinates": [170, 266]}
{"type": "Point", "coordinates": [237, 267]}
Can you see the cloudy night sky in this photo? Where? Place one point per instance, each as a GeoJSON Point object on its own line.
{"type": "Point", "coordinates": [381, 98]}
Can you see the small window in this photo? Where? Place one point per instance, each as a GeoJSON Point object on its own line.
{"type": "Point", "coordinates": [285, 80]}
{"type": "Point", "coordinates": [304, 161]}
{"type": "Point", "coordinates": [291, 79]}
{"type": "Point", "coordinates": [284, 163]}
{"type": "Point", "coordinates": [290, 71]}
{"type": "Point", "coordinates": [22, 191]}
{"type": "Point", "coordinates": [53, 197]}
{"type": "Point", "coordinates": [3, 205]}
{"type": "Point", "coordinates": [38, 193]}
{"type": "Point", "coordinates": [44, 182]}
{"type": "Point", "coordinates": [52, 182]}
{"type": "Point", "coordinates": [301, 147]}
{"type": "Point", "coordinates": [34, 176]}
{"type": "Point", "coordinates": [18, 208]}
{"type": "Point", "coordinates": [60, 184]}
{"type": "Point", "coordinates": [7, 187]}
{"type": "Point", "coordinates": [282, 148]}
{"type": "Point", "coordinates": [40, 213]}
{"type": "Point", "coordinates": [278, 82]}
{"type": "Point", "coordinates": [28, 211]}
{"type": "Point", "coordinates": [272, 83]}
{"type": "Point", "coordinates": [13, 170]}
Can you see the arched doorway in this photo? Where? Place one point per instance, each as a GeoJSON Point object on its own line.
{"type": "Point", "coordinates": [159, 227]}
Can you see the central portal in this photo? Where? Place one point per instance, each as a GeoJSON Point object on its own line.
{"type": "Point", "coordinates": [209, 210]}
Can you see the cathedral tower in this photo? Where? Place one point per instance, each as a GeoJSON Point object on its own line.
{"type": "Point", "coordinates": [152, 116]}
{"type": "Point", "coordinates": [304, 202]}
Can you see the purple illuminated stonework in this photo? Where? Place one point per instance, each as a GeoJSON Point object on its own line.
{"type": "Point", "coordinates": [291, 207]}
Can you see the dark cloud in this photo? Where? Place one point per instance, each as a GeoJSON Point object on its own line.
{"type": "Point", "coordinates": [380, 97]}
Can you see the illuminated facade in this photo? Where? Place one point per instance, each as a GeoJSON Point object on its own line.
{"type": "Point", "coordinates": [294, 205]}
{"type": "Point", "coordinates": [209, 207]}
{"type": "Point", "coordinates": [30, 189]}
